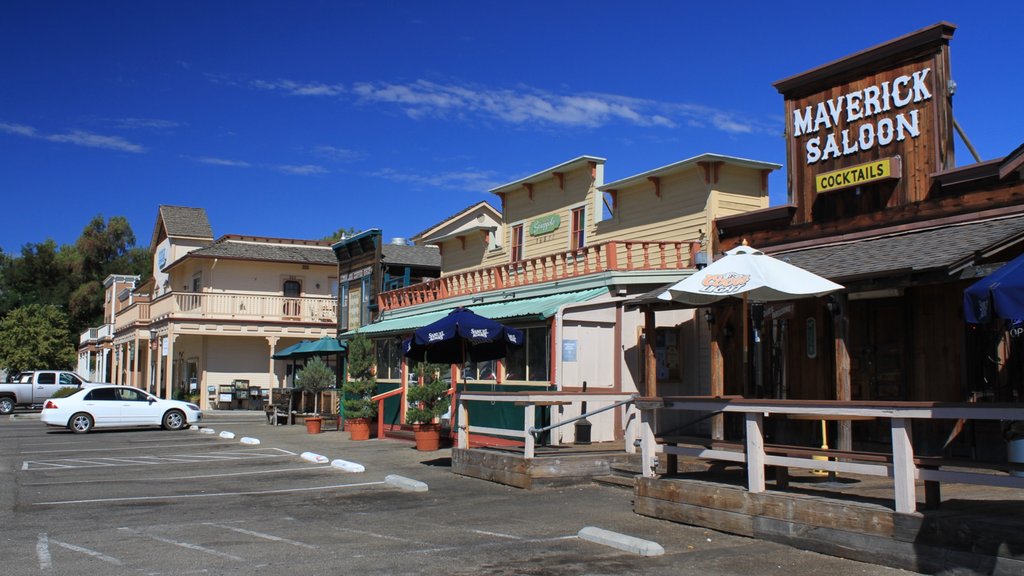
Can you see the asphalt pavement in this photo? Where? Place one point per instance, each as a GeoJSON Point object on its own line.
{"type": "Point", "coordinates": [194, 502]}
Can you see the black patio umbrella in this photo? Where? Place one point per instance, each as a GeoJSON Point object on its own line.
{"type": "Point", "coordinates": [460, 336]}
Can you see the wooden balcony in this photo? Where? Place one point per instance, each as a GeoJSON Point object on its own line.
{"type": "Point", "coordinates": [96, 334]}
{"type": "Point", "coordinates": [136, 314]}
{"type": "Point", "coordinates": [616, 255]}
{"type": "Point", "coordinates": [233, 306]}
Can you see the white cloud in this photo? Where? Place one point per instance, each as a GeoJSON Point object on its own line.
{"type": "Point", "coordinates": [293, 88]}
{"type": "Point", "coordinates": [472, 180]}
{"type": "Point", "coordinates": [77, 137]}
{"type": "Point", "coordinates": [214, 161]}
{"type": "Point", "coordinates": [337, 154]}
{"type": "Point", "coordinates": [302, 169]}
{"type": "Point", "coordinates": [145, 123]}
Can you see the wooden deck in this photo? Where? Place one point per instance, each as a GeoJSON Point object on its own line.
{"type": "Point", "coordinates": [550, 466]}
{"type": "Point", "coordinates": [977, 529]}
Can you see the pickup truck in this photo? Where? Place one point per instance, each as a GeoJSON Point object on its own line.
{"type": "Point", "coordinates": [32, 389]}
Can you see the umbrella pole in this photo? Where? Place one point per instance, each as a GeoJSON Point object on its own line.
{"type": "Point", "coordinates": [746, 346]}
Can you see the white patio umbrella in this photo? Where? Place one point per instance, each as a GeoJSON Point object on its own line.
{"type": "Point", "coordinates": [751, 275]}
{"type": "Point", "coordinates": [747, 273]}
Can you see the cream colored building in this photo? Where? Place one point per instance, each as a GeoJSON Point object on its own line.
{"type": "Point", "coordinates": [216, 310]}
{"type": "Point", "coordinates": [561, 258]}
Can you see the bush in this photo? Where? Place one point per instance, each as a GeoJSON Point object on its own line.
{"type": "Point", "coordinates": [362, 384]}
{"type": "Point", "coordinates": [431, 398]}
{"type": "Point", "coordinates": [315, 377]}
{"type": "Point", "coordinates": [65, 391]}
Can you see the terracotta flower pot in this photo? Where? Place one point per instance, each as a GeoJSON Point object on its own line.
{"type": "Point", "coordinates": [428, 437]}
{"type": "Point", "coordinates": [313, 425]}
{"type": "Point", "coordinates": [358, 428]}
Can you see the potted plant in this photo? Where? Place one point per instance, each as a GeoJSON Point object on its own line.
{"type": "Point", "coordinates": [428, 401]}
{"type": "Point", "coordinates": [359, 388]}
{"type": "Point", "coordinates": [315, 377]}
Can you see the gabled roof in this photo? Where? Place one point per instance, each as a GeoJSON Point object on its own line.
{"type": "Point", "coordinates": [483, 207]}
{"type": "Point", "coordinates": [234, 247]}
{"type": "Point", "coordinates": [182, 222]}
{"type": "Point", "coordinates": [418, 256]}
{"type": "Point", "coordinates": [686, 165]}
{"type": "Point", "coordinates": [573, 164]}
{"type": "Point", "coordinates": [1014, 162]}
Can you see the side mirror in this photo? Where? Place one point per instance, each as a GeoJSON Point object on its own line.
{"type": "Point", "coordinates": [152, 400]}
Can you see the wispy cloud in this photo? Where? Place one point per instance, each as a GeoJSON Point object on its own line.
{"type": "Point", "coordinates": [472, 180]}
{"type": "Point", "coordinates": [144, 123]}
{"type": "Point", "coordinates": [214, 161]}
{"type": "Point", "coordinates": [337, 154]}
{"type": "Point", "coordinates": [289, 87]}
{"type": "Point", "coordinates": [302, 169]}
{"type": "Point", "coordinates": [524, 105]}
{"type": "Point", "coordinates": [76, 137]}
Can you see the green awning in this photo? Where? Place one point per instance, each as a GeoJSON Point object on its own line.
{"type": "Point", "coordinates": [540, 308]}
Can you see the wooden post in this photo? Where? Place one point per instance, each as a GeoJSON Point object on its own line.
{"type": "Point", "coordinates": [648, 445]}
{"type": "Point", "coordinates": [650, 362]}
{"type": "Point", "coordinates": [463, 426]}
{"type": "Point", "coordinates": [844, 436]}
{"type": "Point", "coordinates": [717, 365]}
{"type": "Point", "coordinates": [903, 466]}
{"type": "Point", "coordinates": [755, 451]}
{"type": "Point", "coordinates": [528, 422]}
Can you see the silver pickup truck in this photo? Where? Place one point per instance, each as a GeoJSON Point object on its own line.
{"type": "Point", "coordinates": [33, 388]}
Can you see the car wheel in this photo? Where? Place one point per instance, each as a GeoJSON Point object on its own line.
{"type": "Point", "coordinates": [6, 405]}
{"type": "Point", "coordinates": [80, 423]}
{"type": "Point", "coordinates": [174, 420]}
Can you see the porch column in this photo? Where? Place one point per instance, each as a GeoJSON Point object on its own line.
{"type": "Point", "coordinates": [717, 367]}
{"type": "Point", "coordinates": [650, 362]}
{"type": "Point", "coordinates": [271, 377]}
{"type": "Point", "coordinates": [903, 466]}
{"type": "Point", "coordinates": [755, 451]}
{"type": "Point", "coordinates": [169, 366]}
{"type": "Point", "coordinates": [648, 444]}
{"type": "Point", "coordinates": [841, 329]}
{"type": "Point", "coordinates": [158, 366]}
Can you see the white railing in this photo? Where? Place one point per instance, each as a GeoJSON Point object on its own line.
{"type": "Point", "coordinates": [899, 465]}
{"type": "Point", "coordinates": [529, 401]}
{"type": "Point", "coordinates": [95, 334]}
{"type": "Point", "coordinates": [245, 306]}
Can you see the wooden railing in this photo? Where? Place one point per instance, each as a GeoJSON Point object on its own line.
{"type": "Point", "coordinates": [245, 306]}
{"type": "Point", "coordinates": [529, 401]}
{"type": "Point", "coordinates": [900, 464]}
{"type": "Point", "coordinates": [138, 312]}
{"type": "Point", "coordinates": [604, 257]}
{"type": "Point", "coordinates": [97, 333]}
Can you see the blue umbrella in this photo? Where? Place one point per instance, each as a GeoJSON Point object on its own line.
{"type": "Point", "coordinates": [1000, 294]}
{"type": "Point", "coordinates": [460, 336]}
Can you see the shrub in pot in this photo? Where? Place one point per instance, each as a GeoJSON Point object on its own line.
{"type": "Point", "coordinates": [315, 377]}
{"type": "Point", "coordinates": [428, 402]}
{"type": "Point", "coordinates": [360, 387]}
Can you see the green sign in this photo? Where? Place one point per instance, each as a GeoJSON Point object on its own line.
{"type": "Point", "coordinates": [545, 225]}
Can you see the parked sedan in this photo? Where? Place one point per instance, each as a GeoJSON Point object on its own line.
{"type": "Point", "coordinates": [116, 407]}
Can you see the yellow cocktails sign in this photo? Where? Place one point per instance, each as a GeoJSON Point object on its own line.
{"type": "Point", "coordinates": [882, 169]}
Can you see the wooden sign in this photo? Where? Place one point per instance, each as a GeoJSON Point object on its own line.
{"type": "Point", "coordinates": [877, 171]}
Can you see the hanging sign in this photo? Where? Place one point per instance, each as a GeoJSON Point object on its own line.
{"type": "Point", "coordinates": [545, 225]}
{"type": "Point", "coordinates": [875, 171]}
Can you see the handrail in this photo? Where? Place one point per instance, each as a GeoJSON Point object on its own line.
{"type": "Point", "coordinates": [536, 432]}
{"type": "Point", "coordinates": [379, 399]}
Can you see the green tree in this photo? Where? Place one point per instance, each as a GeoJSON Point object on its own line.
{"type": "Point", "coordinates": [431, 398]}
{"type": "Point", "coordinates": [34, 337]}
{"type": "Point", "coordinates": [346, 232]}
{"type": "Point", "coordinates": [315, 377]}
{"type": "Point", "coordinates": [362, 383]}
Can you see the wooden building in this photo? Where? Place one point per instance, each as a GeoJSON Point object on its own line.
{"type": "Point", "coordinates": [878, 204]}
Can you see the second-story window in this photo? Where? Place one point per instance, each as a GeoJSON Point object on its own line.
{"type": "Point", "coordinates": [577, 238]}
{"type": "Point", "coordinates": [516, 243]}
{"type": "Point", "coordinates": [292, 304]}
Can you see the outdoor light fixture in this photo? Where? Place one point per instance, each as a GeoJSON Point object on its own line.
{"type": "Point", "coordinates": [832, 305]}
{"type": "Point", "coordinates": [709, 317]}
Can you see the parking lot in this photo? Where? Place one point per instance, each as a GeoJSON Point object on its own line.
{"type": "Point", "coordinates": [159, 502]}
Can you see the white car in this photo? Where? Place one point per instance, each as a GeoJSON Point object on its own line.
{"type": "Point", "coordinates": [116, 407]}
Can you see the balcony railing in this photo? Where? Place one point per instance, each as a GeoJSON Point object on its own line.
{"type": "Point", "coordinates": [95, 334]}
{"type": "Point", "coordinates": [608, 256]}
{"type": "Point", "coordinates": [132, 315]}
{"type": "Point", "coordinates": [225, 306]}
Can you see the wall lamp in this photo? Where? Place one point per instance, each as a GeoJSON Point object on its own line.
{"type": "Point", "coordinates": [709, 317]}
{"type": "Point", "coordinates": [832, 305]}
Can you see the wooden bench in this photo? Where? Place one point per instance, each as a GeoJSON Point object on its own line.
{"type": "Point", "coordinates": [332, 420]}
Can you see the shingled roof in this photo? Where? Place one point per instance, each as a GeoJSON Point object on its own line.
{"type": "Point", "coordinates": [941, 248]}
{"type": "Point", "coordinates": [185, 221]}
{"type": "Point", "coordinates": [419, 256]}
{"type": "Point", "coordinates": [268, 250]}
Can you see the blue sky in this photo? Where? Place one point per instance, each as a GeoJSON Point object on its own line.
{"type": "Point", "coordinates": [296, 119]}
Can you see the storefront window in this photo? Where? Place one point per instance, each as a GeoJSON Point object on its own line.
{"type": "Point", "coordinates": [530, 362]}
{"type": "Point", "coordinates": [666, 354]}
{"type": "Point", "coordinates": [389, 359]}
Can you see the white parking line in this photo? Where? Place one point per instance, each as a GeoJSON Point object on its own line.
{"type": "Point", "coordinates": [93, 553]}
{"type": "Point", "coordinates": [107, 461]}
{"type": "Point", "coordinates": [115, 449]}
{"type": "Point", "coordinates": [206, 495]}
{"type": "Point", "coordinates": [262, 535]}
{"type": "Point", "coordinates": [175, 478]}
{"type": "Point", "coordinates": [188, 545]}
{"type": "Point", "coordinates": [43, 552]}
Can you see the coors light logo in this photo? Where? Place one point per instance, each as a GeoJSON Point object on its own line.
{"type": "Point", "coordinates": [727, 283]}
